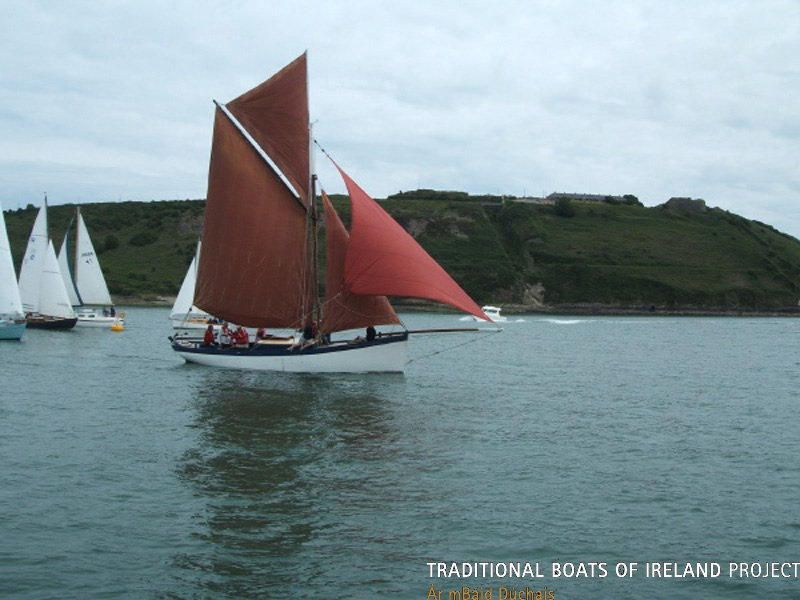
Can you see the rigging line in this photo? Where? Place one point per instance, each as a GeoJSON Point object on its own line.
{"type": "Point", "coordinates": [325, 152]}
{"type": "Point", "coordinates": [317, 144]}
{"type": "Point", "coordinates": [447, 349]}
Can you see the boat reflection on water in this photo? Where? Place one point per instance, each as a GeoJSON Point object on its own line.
{"type": "Point", "coordinates": [285, 470]}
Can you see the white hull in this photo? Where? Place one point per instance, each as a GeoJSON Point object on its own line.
{"type": "Point", "coordinates": [10, 330]}
{"type": "Point", "coordinates": [495, 319]}
{"type": "Point", "coordinates": [95, 321]}
{"type": "Point", "coordinates": [192, 323]}
{"type": "Point", "coordinates": [92, 319]}
{"type": "Point", "coordinates": [367, 358]}
{"type": "Point", "coordinates": [493, 313]}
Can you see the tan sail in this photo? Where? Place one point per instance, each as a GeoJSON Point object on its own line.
{"type": "Point", "coordinates": [275, 113]}
{"type": "Point", "coordinates": [253, 270]}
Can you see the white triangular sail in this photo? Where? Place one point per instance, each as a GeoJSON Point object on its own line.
{"type": "Point", "coordinates": [53, 298]}
{"type": "Point", "coordinates": [89, 278]}
{"type": "Point", "coordinates": [10, 300]}
{"type": "Point", "coordinates": [66, 272]}
{"type": "Point", "coordinates": [184, 303]}
{"type": "Point", "coordinates": [30, 273]}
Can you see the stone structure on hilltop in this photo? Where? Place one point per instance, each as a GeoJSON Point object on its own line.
{"type": "Point", "coordinates": [687, 204]}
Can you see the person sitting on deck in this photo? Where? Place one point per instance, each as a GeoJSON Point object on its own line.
{"type": "Point", "coordinates": [209, 339]}
{"type": "Point", "coordinates": [241, 339]}
{"type": "Point", "coordinates": [307, 339]}
{"type": "Point", "coordinates": [371, 334]}
{"type": "Point", "coordinates": [225, 337]}
{"type": "Point", "coordinates": [262, 334]}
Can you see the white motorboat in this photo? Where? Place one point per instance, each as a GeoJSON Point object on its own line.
{"type": "Point", "coordinates": [493, 312]}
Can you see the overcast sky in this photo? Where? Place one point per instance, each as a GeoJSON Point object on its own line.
{"type": "Point", "coordinates": [112, 100]}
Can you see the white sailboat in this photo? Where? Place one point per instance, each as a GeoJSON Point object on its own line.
{"type": "Point", "coordinates": [12, 319]}
{"type": "Point", "coordinates": [185, 315]}
{"type": "Point", "coordinates": [44, 296]}
{"type": "Point", "coordinates": [258, 267]}
{"type": "Point", "coordinates": [86, 284]}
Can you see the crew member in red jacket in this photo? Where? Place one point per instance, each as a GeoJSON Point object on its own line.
{"type": "Point", "coordinates": [208, 337]}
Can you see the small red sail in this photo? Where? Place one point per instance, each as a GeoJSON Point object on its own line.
{"type": "Point", "coordinates": [253, 269]}
{"type": "Point", "coordinates": [275, 113]}
{"type": "Point", "coordinates": [345, 310]}
{"type": "Point", "coordinates": [382, 259]}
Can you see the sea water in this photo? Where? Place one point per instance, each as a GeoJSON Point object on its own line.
{"type": "Point", "coordinates": [570, 457]}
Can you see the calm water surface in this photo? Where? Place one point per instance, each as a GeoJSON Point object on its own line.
{"type": "Point", "coordinates": [125, 473]}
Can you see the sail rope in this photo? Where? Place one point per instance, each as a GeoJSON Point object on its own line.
{"type": "Point", "coordinates": [318, 145]}
{"type": "Point", "coordinates": [478, 338]}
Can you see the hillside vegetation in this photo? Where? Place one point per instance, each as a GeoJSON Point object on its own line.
{"type": "Point", "coordinates": [500, 250]}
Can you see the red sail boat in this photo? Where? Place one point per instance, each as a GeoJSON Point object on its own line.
{"type": "Point", "coordinates": [259, 262]}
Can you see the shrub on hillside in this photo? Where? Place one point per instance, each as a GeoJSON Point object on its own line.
{"type": "Point", "coordinates": [111, 242]}
{"type": "Point", "coordinates": [143, 239]}
{"type": "Point", "coordinates": [564, 208]}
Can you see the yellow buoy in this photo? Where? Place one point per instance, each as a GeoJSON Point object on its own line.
{"type": "Point", "coordinates": [118, 322]}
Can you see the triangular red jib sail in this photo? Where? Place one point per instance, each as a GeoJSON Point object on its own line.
{"type": "Point", "coordinates": [345, 310]}
{"type": "Point", "coordinates": [276, 115]}
{"type": "Point", "coordinates": [383, 259]}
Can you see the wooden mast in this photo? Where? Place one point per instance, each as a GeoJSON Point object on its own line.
{"type": "Point", "coordinates": [316, 306]}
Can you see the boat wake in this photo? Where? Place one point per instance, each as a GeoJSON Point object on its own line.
{"type": "Point", "coordinates": [567, 321]}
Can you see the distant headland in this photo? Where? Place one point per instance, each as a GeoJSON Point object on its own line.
{"type": "Point", "coordinates": [564, 253]}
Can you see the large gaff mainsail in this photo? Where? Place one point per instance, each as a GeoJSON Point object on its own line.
{"type": "Point", "coordinates": [254, 267]}
{"type": "Point", "coordinates": [276, 115]}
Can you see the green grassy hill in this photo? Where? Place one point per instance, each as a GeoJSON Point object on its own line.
{"type": "Point", "coordinates": [667, 257]}
{"type": "Point", "coordinates": [500, 250]}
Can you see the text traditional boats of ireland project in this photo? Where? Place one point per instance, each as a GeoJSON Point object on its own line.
{"type": "Point", "coordinates": [258, 267]}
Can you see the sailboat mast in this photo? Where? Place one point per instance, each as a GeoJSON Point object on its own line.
{"type": "Point", "coordinates": [316, 305]}
{"type": "Point", "coordinates": [77, 243]}
{"type": "Point", "coordinates": [316, 309]}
